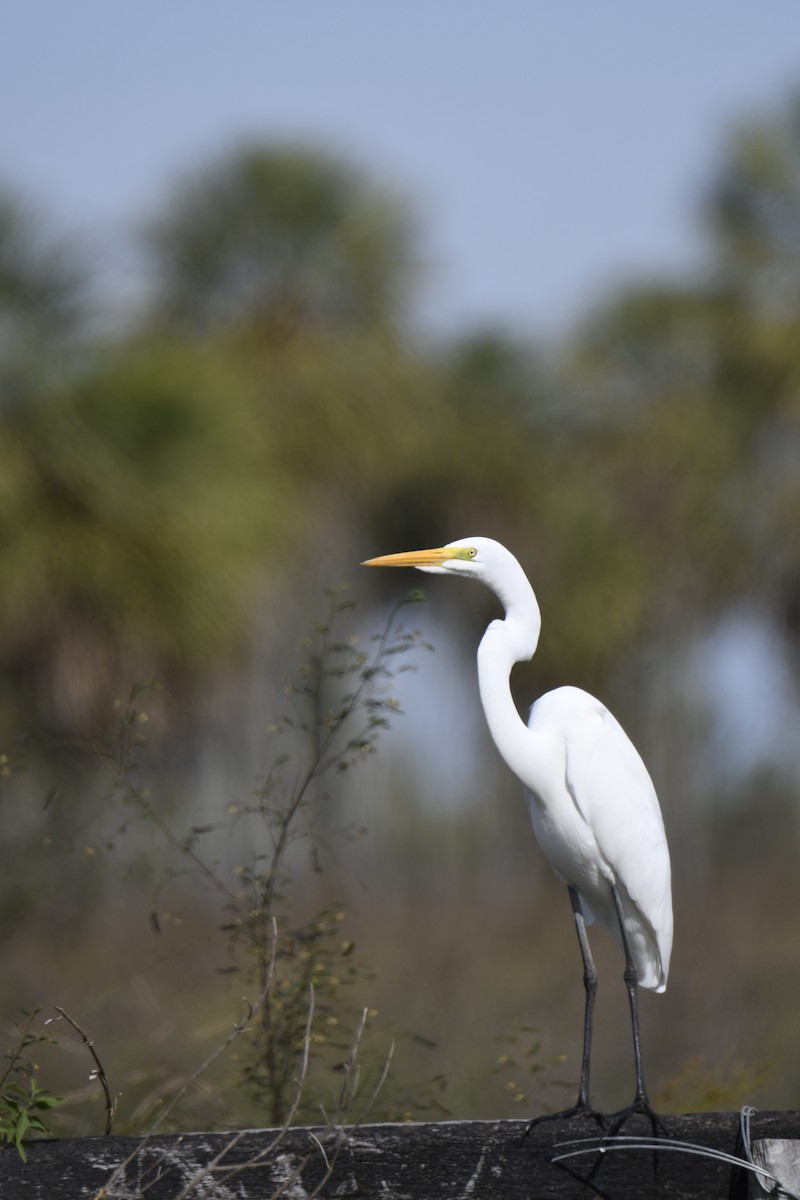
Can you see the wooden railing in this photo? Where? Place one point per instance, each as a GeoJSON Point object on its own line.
{"type": "Point", "coordinates": [456, 1160]}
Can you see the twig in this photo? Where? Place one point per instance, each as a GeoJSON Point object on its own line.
{"type": "Point", "coordinates": [381, 1081]}
{"type": "Point", "coordinates": [351, 1068]}
{"type": "Point", "coordinates": [99, 1072]}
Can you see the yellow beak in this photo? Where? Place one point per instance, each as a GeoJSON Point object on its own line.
{"type": "Point", "coordinates": [413, 558]}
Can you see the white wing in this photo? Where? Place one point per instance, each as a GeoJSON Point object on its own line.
{"type": "Point", "coordinates": [618, 811]}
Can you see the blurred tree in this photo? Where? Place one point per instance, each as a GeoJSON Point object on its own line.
{"type": "Point", "coordinates": [695, 393]}
{"type": "Point", "coordinates": [44, 294]}
{"type": "Point", "coordinates": [491, 370]}
{"type": "Point", "coordinates": [138, 510]}
{"type": "Point", "coordinates": [283, 238]}
{"type": "Point", "coordinates": [147, 487]}
{"type": "Point", "coordinates": [754, 211]}
{"type": "Point", "coordinates": [658, 439]}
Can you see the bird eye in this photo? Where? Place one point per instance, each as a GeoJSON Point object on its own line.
{"type": "Point", "coordinates": [472, 552]}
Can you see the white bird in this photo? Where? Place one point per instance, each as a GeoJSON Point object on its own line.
{"type": "Point", "coordinates": [592, 804]}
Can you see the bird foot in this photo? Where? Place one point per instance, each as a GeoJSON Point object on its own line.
{"type": "Point", "coordinates": [640, 1106]}
{"type": "Point", "coordinates": [581, 1109]}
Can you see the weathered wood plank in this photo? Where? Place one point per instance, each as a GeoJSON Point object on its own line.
{"type": "Point", "coordinates": [468, 1160]}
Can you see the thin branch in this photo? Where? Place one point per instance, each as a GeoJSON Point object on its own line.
{"type": "Point", "coordinates": [376, 1091]}
{"type": "Point", "coordinates": [99, 1072]}
{"type": "Point", "coordinates": [347, 1091]}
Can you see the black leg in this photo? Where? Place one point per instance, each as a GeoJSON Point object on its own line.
{"type": "Point", "coordinates": [590, 984]}
{"type": "Point", "coordinates": [582, 1107]}
{"type": "Point", "coordinates": [641, 1104]}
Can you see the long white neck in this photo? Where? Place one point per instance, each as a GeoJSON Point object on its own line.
{"type": "Point", "coordinates": [505, 643]}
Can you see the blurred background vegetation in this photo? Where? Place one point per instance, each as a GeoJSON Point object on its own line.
{"type": "Point", "coordinates": [178, 493]}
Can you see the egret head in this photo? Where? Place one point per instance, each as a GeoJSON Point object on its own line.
{"type": "Point", "coordinates": [486, 560]}
{"type": "Point", "coordinates": [481, 558]}
{"type": "Point", "coordinates": [475, 557]}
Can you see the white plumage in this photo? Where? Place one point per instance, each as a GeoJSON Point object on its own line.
{"type": "Point", "coordinates": [592, 804]}
{"type": "Point", "coordinates": [609, 830]}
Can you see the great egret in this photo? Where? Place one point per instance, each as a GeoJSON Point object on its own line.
{"type": "Point", "coordinates": [592, 804]}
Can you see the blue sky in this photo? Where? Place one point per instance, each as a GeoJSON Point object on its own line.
{"type": "Point", "coordinates": [550, 149]}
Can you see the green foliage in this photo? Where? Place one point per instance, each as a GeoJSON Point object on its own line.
{"type": "Point", "coordinates": [24, 1113]}
{"type": "Point", "coordinates": [177, 468]}
{"type": "Point", "coordinates": [24, 1105]}
{"type": "Point", "coordinates": [136, 511]}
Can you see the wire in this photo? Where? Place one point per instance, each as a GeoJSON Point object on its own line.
{"type": "Point", "coordinates": [634, 1142]}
